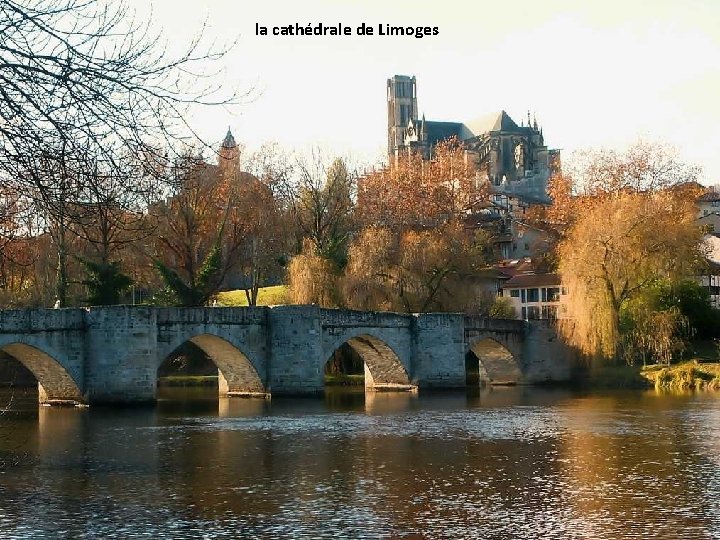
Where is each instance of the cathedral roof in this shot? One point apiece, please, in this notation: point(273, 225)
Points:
point(229, 140)
point(497, 121)
point(439, 131)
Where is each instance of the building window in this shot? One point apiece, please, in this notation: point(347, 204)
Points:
point(549, 312)
point(514, 293)
point(551, 294)
point(524, 313)
point(716, 203)
point(533, 295)
point(522, 296)
point(533, 312)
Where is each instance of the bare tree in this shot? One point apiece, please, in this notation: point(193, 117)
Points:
point(84, 85)
point(322, 204)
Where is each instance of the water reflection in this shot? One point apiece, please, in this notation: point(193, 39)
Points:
point(490, 463)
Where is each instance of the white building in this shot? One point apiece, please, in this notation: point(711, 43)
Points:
point(535, 296)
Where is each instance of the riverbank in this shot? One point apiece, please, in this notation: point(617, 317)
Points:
point(684, 376)
point(188, 380)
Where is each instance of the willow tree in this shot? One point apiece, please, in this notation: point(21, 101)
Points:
point(416, 270)
point(615, 249)
point(312, 278)
point(320, 201)
point(625, 221)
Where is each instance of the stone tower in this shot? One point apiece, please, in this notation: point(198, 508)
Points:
point(229, 156)
point(402, 108)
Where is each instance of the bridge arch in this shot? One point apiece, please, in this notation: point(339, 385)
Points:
point(237, 374)
point(384, 368)
point(495, 363)
point(55, 383)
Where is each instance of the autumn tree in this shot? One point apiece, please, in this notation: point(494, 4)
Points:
point(414, 252)
point(413, 192)
point(199, 236)
point(614, 250)
point(415, 271)
point(312, 278)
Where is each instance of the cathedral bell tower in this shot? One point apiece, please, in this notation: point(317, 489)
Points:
point(402, 108)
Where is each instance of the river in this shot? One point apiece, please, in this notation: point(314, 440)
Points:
point(499, 463)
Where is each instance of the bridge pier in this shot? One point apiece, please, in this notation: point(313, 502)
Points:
point(295, 334)
point(439, 350)
point(121, 348)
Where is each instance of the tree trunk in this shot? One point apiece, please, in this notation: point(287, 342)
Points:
point(61, 284)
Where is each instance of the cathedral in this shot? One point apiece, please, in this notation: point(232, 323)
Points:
point(514, 158)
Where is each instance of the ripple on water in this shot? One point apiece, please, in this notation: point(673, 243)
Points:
point(598, 467)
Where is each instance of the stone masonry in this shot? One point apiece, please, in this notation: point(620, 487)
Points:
point(112, 354)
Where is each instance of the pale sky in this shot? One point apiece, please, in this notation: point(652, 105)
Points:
point(596, 73)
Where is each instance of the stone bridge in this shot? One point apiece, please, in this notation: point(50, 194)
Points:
point(112, 354)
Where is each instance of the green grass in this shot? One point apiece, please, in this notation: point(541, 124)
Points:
point(188, 380)
point(345, 380)
point(267, 296)
point(685, 376)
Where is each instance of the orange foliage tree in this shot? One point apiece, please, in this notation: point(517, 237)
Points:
point(416, 270)
point(625, 222)
point(413, 192)
point(199, 236)
point(414, 252)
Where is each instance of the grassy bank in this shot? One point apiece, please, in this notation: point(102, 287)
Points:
point(684, 376)
point(267, 296)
